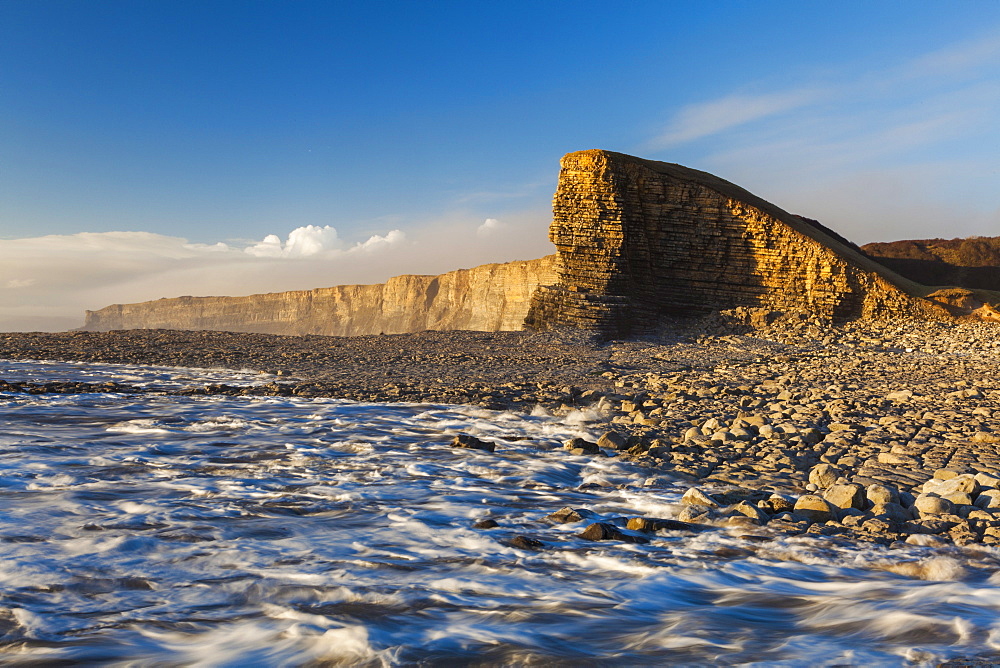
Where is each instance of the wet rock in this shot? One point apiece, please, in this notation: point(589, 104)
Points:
point(696, 497)
point(485, 524)
point(880, 526)
point(526, 543)
point(735, 495)
point(606, 531)
point(780, 503)
point(579, 446)
point(568, 515)
point(612, 440)
point(695, 514)
point(742, 521)
point(747, 509)
point(470, 442)
point(656, 524)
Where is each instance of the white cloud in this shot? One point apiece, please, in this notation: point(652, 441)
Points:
point(490, 227)
point(302, 242)
point(51, 280)
point(315, 241)
point(378, 242)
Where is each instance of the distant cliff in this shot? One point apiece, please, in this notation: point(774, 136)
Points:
point(491, 297)
point(970, 263)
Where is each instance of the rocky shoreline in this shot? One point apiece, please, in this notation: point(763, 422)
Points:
point(783, 424)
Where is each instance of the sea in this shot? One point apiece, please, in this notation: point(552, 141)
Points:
point(158, 529)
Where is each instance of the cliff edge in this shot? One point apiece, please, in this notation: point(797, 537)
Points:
point(491, 297)
point(639, 239)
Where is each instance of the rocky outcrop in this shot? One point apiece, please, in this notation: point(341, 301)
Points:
point(639, 239)
point(491, 297)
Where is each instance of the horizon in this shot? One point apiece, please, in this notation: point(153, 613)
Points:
point(231, 148)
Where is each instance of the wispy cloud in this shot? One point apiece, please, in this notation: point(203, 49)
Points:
point(931, 119)
point(958, 58)
point(708, 118)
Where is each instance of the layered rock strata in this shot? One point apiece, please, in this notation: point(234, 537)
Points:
point(491, 297)
point(639, 239)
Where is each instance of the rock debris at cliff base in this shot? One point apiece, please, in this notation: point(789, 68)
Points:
point(882, 431)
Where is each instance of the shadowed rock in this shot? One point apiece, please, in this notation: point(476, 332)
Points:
point(472, 443)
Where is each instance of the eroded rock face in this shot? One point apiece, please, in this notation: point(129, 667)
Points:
point(638, 239)
point(491, 297)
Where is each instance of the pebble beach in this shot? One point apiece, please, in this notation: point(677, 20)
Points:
point(868, 431)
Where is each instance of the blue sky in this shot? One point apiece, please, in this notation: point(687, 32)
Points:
point(153, 149)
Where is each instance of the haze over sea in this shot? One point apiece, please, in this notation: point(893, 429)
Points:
point(233, 531)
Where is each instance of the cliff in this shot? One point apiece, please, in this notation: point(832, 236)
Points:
point(490, 297)
point(970, 263)
point(639, 239)
point(636, 240)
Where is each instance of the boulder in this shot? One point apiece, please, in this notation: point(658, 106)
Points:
point(567, 515)
point(814, 508)
point(579, 446)
point(989, 498)
point(606, 531)
point(824, 475)
point(933, 505)
point(747, 509)
point(696, 497)
point(526, 543)
point(892, 512)
point(846, 496)
point(612, 440)
point(877, 494)
point(656, 524)
point(965, 483)
point(695, 513)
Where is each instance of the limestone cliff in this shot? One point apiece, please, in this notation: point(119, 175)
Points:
point(637, 239)
point(491, 297)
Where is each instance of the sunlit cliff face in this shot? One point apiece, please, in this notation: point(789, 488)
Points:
point(638, 238)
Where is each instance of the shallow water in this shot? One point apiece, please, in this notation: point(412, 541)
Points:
point(260, 531)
